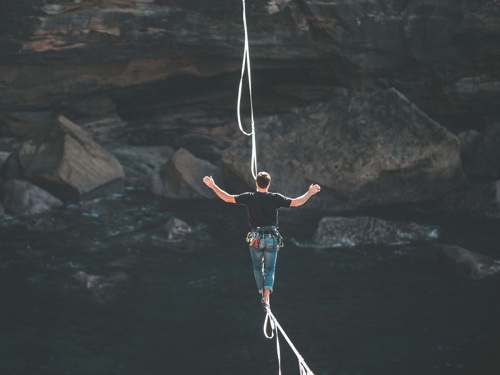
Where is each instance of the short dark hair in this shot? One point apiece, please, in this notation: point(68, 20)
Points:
point(263, 179)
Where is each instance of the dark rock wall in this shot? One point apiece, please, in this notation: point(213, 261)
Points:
point(443, 55)
point(165, 73)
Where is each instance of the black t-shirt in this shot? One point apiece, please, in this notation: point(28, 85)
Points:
point(263, 207)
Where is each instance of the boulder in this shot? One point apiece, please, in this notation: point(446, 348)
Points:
point(177, 229)
point(471, 264)
point(142, 165)
point(364, 149)
point(68, 163)
point(103, 288)
point(25, 198)
point(98, 117)
point(204, 146)
point(362, 230)
point(182, 176)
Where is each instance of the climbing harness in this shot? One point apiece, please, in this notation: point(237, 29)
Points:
point(275, 328)
point(246, 66)
point(255, 234)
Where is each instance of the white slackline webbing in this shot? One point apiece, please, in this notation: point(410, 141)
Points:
point(275, 327)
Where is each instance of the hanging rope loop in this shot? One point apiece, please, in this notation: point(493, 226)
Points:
point(270, 322)
point(245, 66)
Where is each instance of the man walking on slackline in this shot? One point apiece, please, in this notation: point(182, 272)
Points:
point(264, 238)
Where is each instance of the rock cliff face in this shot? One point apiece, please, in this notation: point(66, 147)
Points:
point(373, 148)
point(368, 98)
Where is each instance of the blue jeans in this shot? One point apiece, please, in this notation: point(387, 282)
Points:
point(264, 257)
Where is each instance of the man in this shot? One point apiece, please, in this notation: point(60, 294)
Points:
point(264, 239)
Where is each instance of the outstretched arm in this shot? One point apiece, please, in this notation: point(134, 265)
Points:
point(313, 189)
point(209, 181)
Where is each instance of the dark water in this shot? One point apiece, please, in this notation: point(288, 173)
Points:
point(159, 306)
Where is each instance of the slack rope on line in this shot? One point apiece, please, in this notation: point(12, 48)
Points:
point(275, 328)
point(246, 65)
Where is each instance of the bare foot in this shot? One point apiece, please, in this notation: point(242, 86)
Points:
point(265, 296)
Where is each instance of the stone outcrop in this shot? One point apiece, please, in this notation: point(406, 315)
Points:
point(22, 197)
point(103, 289)
point(364, 149)
point(142, 165)
point(177, 229)
point(182, 176)
point(98, 117)
point(471, 264)
point(66, 161)
point(363, 230)
point(304, 50)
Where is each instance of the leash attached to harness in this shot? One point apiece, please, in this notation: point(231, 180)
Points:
point(275, 328)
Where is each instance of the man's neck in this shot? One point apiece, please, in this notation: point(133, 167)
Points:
point(260, 190)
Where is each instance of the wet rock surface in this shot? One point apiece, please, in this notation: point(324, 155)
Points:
point(359, 231)
point(471, 264)
point(177, 229)
point(142, 165)
point(22, 197)
point(103, 289)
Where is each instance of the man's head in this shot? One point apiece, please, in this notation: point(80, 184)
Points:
point(263, 180)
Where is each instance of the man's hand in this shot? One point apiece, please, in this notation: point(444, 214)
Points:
point(314, 189)
point(209, 181)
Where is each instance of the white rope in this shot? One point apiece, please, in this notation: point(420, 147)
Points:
point(275, 327)
point(246, 65)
